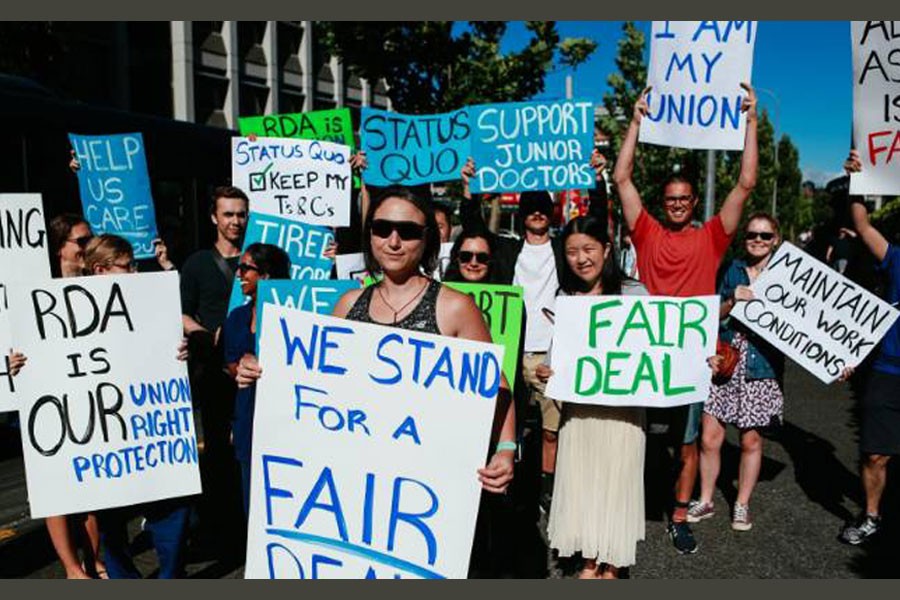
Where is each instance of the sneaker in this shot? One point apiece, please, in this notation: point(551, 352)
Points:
point(740, 519)
point(697, 511)
point(682, 537)
point(865, 527)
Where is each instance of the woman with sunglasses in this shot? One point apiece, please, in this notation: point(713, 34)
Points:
point(598, 494)
point(259, 261)
point(471, 257)
point(751, 399)
point(402, 244)
point(471, 261)
point(68, 236)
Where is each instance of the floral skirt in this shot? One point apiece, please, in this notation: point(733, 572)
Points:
point(746, 403)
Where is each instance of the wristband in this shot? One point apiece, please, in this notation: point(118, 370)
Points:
point(506, 446)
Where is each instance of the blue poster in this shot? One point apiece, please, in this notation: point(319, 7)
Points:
point(318, 297)
point(411, 150)
point(304, 244)
point(115, 188)
point(524, 146)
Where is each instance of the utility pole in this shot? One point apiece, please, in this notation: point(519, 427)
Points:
point(709, 204)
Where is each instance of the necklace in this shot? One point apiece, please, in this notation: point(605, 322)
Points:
point(397, 311)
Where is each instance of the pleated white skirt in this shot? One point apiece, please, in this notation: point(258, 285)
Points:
point(598, 494)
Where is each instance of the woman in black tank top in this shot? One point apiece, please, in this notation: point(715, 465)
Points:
point(401, 242)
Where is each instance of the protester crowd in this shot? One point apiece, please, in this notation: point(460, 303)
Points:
point(591, 457)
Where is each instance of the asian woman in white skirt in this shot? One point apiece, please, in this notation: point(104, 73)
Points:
point(598, 496)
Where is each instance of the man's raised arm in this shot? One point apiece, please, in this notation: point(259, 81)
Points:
point(871, 237)
point(628, 193)
point(734, 203)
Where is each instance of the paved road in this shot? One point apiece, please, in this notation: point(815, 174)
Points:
point(808, 488)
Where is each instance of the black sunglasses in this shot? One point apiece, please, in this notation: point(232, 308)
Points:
point(81, 241)
point(407, 230)
point(480, 257)
point(766, 236)
point(243, 267)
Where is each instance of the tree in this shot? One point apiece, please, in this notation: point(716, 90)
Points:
point(428, 69)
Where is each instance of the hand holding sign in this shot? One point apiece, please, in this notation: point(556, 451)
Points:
point(641, 107)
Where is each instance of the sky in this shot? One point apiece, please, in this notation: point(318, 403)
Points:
point(805, 64)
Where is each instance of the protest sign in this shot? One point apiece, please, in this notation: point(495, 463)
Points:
point(501, 306)
point(305, 246)
point(333, 125)
point(351, 266)
point(300, 180)
point(633, 350)
point(115, 188)
point(813, 314)
point(7, 381)
point(411, 150)
point(520, 146)
point(696, 68)
point(23, 253)
point(876, 106)
point(105, 404)
point(319, 297)
point(366, 469)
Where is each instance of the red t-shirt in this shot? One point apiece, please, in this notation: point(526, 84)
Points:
point(679, 263)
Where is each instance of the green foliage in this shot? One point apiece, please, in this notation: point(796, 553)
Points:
point(428, 69)
point(887, 219)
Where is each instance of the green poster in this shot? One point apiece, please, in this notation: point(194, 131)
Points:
point(334, 125)
point(501, 306)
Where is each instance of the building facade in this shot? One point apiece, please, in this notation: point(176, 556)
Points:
point(222, 70)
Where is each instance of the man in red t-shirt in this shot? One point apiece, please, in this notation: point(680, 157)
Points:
point(677, 259)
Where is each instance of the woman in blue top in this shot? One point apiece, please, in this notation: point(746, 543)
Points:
point(259, 261)
point(752, 398)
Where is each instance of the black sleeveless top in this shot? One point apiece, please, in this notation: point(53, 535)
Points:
point(422, 318)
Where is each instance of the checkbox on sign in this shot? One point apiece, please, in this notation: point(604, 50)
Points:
point(258, 180)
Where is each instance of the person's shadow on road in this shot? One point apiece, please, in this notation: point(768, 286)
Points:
point(819, 473)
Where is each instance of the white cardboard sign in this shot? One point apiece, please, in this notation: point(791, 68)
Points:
point(696, 68)
point(105, 404)
point(301, 180)
point(633, 350)
point(813, 314)
point(23, 253)
point(876, 106)
point(366, 444)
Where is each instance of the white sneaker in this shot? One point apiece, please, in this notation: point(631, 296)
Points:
point(740, 520)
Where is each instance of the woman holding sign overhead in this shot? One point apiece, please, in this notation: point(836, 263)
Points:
point(259, 261)
point(598, 494)
point(751, 399)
